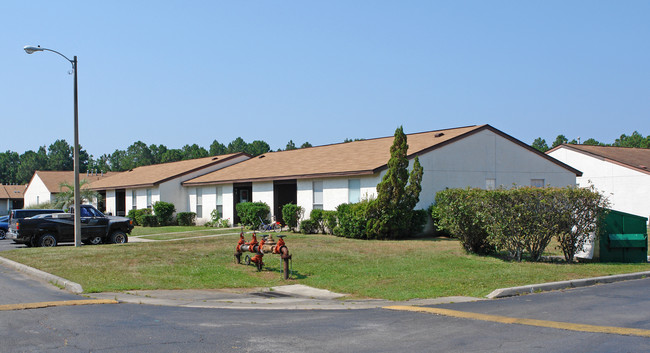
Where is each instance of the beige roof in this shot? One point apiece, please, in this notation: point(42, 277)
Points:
point(151, 175)
point(53, 179)
point(634, 158)
point(343, 159)
point(12, 191)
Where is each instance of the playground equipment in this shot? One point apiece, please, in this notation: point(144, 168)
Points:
point(266, 246)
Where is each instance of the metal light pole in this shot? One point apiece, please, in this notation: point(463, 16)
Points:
point(77, 199)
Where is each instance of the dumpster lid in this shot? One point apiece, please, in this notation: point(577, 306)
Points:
point(627, 237)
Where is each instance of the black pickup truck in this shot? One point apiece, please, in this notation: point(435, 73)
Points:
point(51, 229)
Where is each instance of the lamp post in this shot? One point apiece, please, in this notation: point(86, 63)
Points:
point(77, 199)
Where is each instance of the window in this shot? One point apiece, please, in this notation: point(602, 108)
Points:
point(199, 203)
point(134, 200)
point(318, 195)
point(354, 190)
point(537, 183)
point(490, 184)
point(149, 198)
point(220, 201)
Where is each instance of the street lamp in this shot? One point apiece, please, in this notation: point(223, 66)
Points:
point(29, 49)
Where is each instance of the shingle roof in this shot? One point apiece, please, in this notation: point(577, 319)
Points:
point(342, 159)
point(151, 175)
point(12, 191)
point(634, 158)
point(53, 179)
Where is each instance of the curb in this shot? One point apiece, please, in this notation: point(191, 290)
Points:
point(56, 280)
point(544, 287)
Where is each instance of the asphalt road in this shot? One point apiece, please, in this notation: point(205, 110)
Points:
point(147, 328)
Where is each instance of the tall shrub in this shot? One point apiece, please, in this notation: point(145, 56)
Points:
point(352, 220)
point(252, 213)
point(461, 212)
point(389, 215)
point(583, 212)
point(291, 214)
point(164, 212)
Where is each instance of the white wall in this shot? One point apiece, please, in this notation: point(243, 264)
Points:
point(335, 191)
point(37, 192)
point(110, 202)
point(209, 199)
point(472, 160)
point(628, 190)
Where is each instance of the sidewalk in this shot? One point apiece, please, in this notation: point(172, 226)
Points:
point(290, 297)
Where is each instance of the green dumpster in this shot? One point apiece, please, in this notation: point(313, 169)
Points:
point(624, 238)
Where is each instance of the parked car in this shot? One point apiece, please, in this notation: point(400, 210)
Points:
point(4, 226)
point(49, 230)
point(18, 214)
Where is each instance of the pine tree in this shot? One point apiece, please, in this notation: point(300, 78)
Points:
point(390, 214)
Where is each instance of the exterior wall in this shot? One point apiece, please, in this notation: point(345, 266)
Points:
point(263, 192)
point(485, 155)
point(5, 206)
point(626, 188)
point(140, 197)
point(335, 191)
point(111, 205)
point(37, 192)
point(209, 199)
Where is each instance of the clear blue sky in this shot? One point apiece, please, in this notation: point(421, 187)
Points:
point(184, 72)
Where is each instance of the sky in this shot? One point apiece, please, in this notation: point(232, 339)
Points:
point(191, 72)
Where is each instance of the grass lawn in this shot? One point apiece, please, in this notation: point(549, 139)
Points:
point(397, 270)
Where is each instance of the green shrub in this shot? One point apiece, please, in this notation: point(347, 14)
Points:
point(308, 226)
point(149, 220)
point(352, 220)
point(164, 212)
point(461, 213)
point(186, 218)
point(291, 214)
point(316, 216)
point(329, 219)
point(136, 215)
point(419, 219)
point(250, 213)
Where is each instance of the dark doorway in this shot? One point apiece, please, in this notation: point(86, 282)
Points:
point(120, 202)
point(284, 192)
point(241, 192)
point(101, 203)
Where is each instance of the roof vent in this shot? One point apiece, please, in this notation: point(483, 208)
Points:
point(215, 158)
point(262, 156)
point(439, 134)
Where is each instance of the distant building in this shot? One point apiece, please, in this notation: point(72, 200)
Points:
point(621, 173)
point(141, 187)
point(11, 197)
point(44, 185)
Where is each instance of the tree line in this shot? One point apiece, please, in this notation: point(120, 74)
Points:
point(635, 140)
point(18, 168)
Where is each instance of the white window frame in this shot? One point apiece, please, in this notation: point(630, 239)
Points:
point(134, 199)
point(354, 190)
point(317, 193)
point(537, 183)
point(199, 202)
point(219, 201)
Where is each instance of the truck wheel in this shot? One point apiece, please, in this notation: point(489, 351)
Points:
point(93, 241)
point(47, 240)
point(2, 234)
point(119, 237)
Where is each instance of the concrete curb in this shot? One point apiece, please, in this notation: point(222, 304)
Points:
point(62, 282)
point(544, 287)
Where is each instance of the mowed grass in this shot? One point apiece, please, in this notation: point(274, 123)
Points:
point(396, 270)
